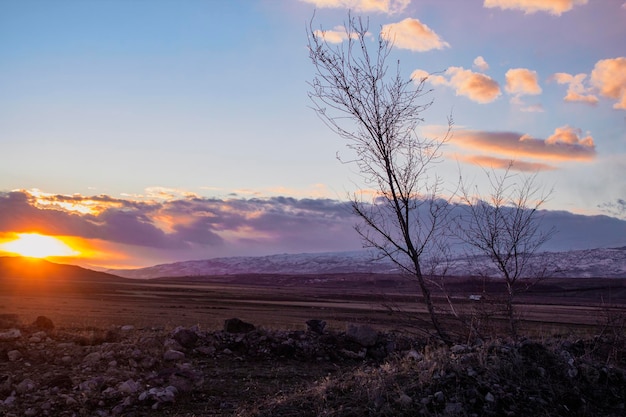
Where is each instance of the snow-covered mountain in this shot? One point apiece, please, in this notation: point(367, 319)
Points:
point(575, 264)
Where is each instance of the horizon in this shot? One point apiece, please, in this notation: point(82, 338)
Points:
point(184, 131)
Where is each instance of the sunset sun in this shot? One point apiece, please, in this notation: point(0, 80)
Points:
point(35, 245)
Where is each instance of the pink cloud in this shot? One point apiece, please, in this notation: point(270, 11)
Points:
point(413, 35)
point(555, 7)
point(522, 81)
point(609, 77)
point(565, 144)
point(576, 90)
point(503, 163)
point(365, 6)
point(475, 86)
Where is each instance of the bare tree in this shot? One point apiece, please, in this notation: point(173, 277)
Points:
point(505, 226)
point(377, 111)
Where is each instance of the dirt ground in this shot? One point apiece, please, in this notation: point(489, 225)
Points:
point(288, 301)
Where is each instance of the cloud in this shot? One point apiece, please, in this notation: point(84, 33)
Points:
point(475, 86)
point(609, 77)
point(570, 136)
point(187, 223)
point(413, 35)
point(363, 6)
point(565, 144)
point(555, 7)
point(576, 90)
point(480, 64)
point(503, 163)
point(336, 35)
point(521, 82)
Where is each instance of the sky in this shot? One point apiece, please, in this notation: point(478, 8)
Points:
point(142, 132)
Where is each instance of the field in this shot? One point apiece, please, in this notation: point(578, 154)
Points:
point(288, 301)
point(282, 369)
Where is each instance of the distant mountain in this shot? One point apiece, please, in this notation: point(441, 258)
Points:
point(575, 264)
point(23, 268)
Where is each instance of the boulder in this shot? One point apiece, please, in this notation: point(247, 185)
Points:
point(43, 323)
point(316, 326)
point(364, 335)
point(236, 325)
point(185, 337)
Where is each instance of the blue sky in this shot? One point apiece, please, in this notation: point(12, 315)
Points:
point(114, 104)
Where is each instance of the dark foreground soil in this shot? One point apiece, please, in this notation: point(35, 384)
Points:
point(161, 348)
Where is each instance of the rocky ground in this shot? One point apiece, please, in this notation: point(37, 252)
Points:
point(242, 370)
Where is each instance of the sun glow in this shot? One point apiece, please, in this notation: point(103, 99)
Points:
point(34, 245)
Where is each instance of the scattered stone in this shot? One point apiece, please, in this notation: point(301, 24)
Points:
point(43, 323)
point(457, 349)
point(92, 358)
point(14, 355)
point(489, 397)
point(453, 409)
point(127, 328)
point(364, 335)
point(236, 325)
point(405, 400)
point(414, 355)
point(10, 334)
point(173, 355)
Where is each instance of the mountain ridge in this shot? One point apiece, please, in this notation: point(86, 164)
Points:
point(601, 263)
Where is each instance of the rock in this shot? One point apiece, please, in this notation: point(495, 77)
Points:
point(489, 397)
point(127, 328)
point(173, 355)
point(316, 326)
point(453, 409)
point(457, 349)
point(10, 334)
point(405, 400)
point(92, 358)
point(185, 337)
point(364, 335)
point(43, 323)
point(414, 355)
point(236, 325)
point(439, 396)
point(14, 355)
point(129, 386)
point(25, 386)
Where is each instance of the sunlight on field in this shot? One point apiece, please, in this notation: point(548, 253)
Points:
point(35, 245)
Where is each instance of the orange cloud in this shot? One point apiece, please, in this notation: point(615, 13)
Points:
point(365, 6)
point(503, 163)
point(555, 7)
point(570, 136)
point(566, 144)
point(609, 77)
point(475, 86)
point(576, 91)
point(413, 35)
point(522, 81)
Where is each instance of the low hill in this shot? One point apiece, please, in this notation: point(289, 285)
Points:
point(14, 268)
